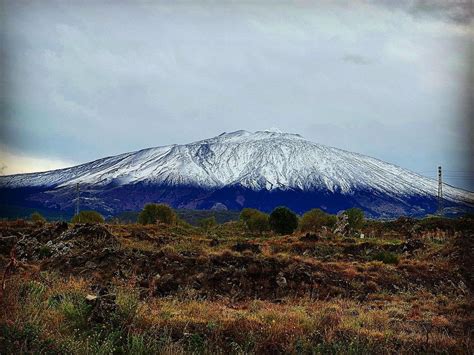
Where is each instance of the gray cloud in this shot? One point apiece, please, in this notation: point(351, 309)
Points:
point(455, 11)
point(356, 59)
point(82, 85)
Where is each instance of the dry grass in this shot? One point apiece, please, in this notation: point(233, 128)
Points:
point(336, 298)
point(56, 309)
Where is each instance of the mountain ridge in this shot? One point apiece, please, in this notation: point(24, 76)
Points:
point(261, 161)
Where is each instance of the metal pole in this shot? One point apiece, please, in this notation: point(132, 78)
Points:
point(440, 191)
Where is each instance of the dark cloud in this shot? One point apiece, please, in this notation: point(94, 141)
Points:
point(455, 11)
point(356, 59)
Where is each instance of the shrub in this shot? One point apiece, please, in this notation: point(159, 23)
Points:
point(314, 219)
point(255, 220)
point(355, 218)
point(45, 251)
point(283, 220)
point(247, 213)
point(37, 217)
point(258, 223)
point(153, 213)
point(127, 300)
point(88, 217)
point(386, 257)
point(208, 223)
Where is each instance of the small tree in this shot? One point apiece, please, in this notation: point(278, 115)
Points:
point(88, 217)
point(207, 223)
point(355, 218)
point(37, 217)
point(156, 213)
point(283, 220)
point(247, 213)
point(258, 223)
point(314, 219)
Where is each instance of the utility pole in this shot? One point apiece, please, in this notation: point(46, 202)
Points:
point(440, 192)
point(77, 199)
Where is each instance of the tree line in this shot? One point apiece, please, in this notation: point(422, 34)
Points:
point(281, 220)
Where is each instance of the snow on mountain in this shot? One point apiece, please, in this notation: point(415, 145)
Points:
point(264, 160)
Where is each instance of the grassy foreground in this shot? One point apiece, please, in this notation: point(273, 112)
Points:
point(405, 287)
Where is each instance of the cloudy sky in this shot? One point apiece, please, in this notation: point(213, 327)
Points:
point(85, 79)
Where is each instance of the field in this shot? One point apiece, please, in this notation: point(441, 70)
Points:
point(399, 287)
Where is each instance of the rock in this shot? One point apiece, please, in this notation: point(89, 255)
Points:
point(310, 237)
point(59, 249)
point(104, 308)
point(28, 249)
point(90, 233)
point(90, 265)
point(60, 227)
point(240, 247)
point(219, 207)
point(91, 298)
point(342, 224)
point(412, 244)
point(281, 280)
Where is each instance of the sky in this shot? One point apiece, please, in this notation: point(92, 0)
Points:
point(80, 80)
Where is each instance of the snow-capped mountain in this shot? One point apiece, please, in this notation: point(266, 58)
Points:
point(240, 169)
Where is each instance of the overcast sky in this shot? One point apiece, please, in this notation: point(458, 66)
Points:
point(81, 80)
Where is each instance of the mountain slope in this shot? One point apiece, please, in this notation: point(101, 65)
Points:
point(233, 168)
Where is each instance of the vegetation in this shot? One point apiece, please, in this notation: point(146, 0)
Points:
point(255, 221)
point(406, 287)
point(207, 223)
point(355, 218)
point(247, 213)
point(192, 217)
point(88, 217)
point(387, 257)
point(258, 223)
point(37, 218)
point(156, 213)
point(314, 219)
point(283, 220)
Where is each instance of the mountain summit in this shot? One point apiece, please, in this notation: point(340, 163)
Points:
point(238, 169)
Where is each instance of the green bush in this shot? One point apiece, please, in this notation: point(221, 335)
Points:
point(156, 213)
point(387, 257)
point(45, 251)
point(314, 219)
point(75, 313)
point(127, 301)
point(355, 218)
point(37, 217)
point(283, 220)
point(247, 213)
point(207, 223)
point(88, 217)
point(258, 223)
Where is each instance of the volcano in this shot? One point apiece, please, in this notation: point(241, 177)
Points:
point(262, 169)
